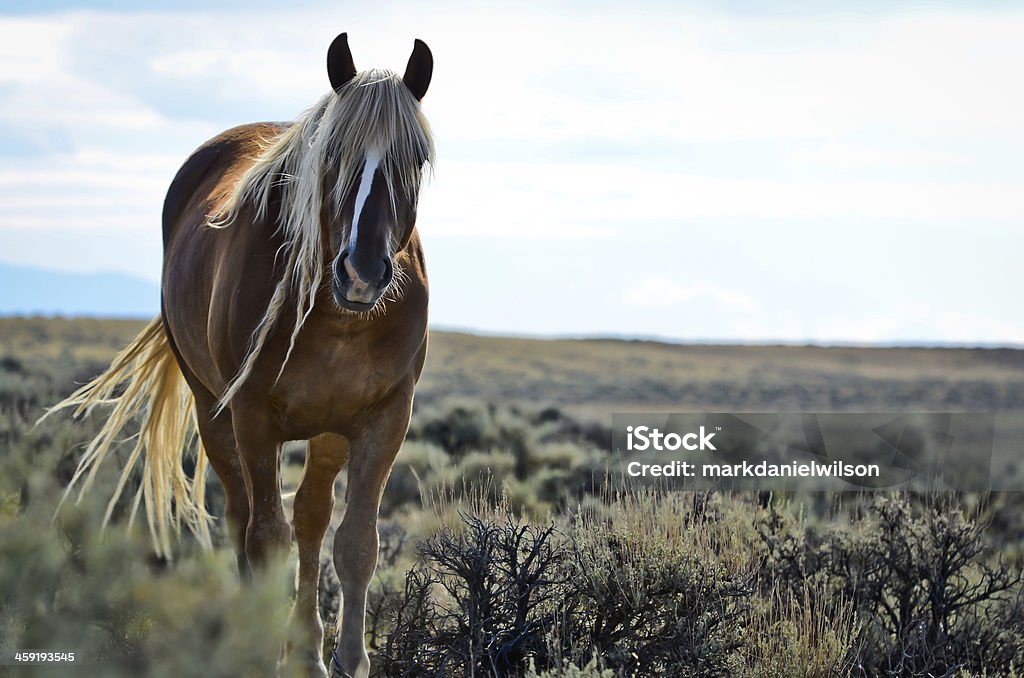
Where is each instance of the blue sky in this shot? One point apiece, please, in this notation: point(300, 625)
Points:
point(732, 171)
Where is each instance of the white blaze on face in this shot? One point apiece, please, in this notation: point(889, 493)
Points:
point(365, 184)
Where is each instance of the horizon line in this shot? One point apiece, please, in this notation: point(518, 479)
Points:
point(617, 337)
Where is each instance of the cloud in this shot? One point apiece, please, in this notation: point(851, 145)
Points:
point(664, 293)
point(88, 190)
point(913, 324)
point(604, 130)
point(666, 75)
point(512, 198)
point(31, 49)
point(41, 90)
point(836, 154)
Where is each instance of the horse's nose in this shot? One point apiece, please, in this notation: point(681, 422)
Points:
point(367, 271)
point(360, 278)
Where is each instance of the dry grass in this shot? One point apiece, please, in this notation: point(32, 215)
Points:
point(791, 640)
point(516, 457)
point(609, 373)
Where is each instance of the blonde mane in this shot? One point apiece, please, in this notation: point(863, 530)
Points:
point(373, 111)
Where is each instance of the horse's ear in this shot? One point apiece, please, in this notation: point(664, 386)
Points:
point(340, 67)
point(418, 71)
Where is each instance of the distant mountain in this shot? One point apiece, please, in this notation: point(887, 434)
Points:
point(26, 290)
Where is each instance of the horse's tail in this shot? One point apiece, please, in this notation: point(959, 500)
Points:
point(145, 382)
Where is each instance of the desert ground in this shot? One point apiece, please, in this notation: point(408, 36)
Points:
point(506, 550)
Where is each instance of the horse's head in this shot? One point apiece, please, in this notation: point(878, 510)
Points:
point(380, 147)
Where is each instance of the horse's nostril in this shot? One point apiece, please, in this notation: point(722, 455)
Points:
point(340, 269)
point(365, 269)
point(389, 271)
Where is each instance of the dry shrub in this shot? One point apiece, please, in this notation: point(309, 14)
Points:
point(929, 598)
point(639, 590)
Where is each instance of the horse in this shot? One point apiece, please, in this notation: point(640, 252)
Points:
point(293, 307)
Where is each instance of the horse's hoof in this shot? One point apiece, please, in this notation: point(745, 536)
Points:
point(313, 668)
point(338, 672)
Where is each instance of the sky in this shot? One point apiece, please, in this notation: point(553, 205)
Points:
point(740, 171)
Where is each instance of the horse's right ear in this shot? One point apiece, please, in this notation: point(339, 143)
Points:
point(340, 67)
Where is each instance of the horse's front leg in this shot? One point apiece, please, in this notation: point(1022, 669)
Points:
point(268, 534)
point(356, 542)
point(314, 502)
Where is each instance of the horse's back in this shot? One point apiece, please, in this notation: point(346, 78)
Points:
point(204, 267)
point(230, 152)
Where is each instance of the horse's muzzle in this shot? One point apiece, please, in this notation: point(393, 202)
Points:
point(353, 291)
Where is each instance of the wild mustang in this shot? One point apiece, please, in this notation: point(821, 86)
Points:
point(294, 307)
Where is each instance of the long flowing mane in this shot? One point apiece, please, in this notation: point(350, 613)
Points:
point(319, 158)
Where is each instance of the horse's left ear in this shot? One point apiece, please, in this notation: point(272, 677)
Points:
point(340, 67)
point(418, 71)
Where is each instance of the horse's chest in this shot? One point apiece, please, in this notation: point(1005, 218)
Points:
point(331, 390)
